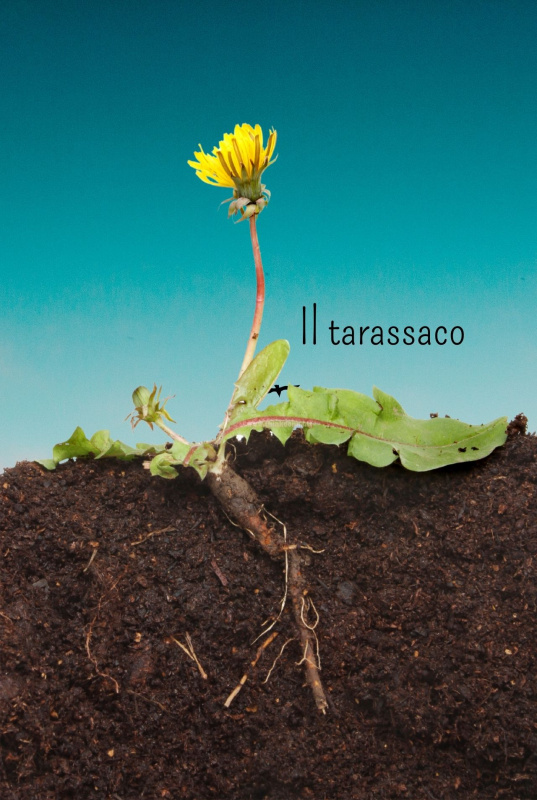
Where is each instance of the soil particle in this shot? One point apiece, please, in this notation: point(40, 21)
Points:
point(425, 587)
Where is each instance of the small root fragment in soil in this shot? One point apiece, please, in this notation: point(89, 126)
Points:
point(102, 602)
point(167, 529)
point(93, 660)
point(240, 502)
point(148, 700)
point(190, 652)
point(218, 572)
point(5, 616)
point(90, 562)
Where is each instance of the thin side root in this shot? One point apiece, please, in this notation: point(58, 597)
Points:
point(253, 663)
point(284, 645)
point(93, 660)
point(283, 601)
point(102, 602)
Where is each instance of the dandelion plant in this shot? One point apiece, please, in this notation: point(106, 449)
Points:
point(375, 430)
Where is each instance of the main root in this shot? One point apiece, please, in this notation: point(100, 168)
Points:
point(241, 504)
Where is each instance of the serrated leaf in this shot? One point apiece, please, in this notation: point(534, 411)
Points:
point(374, 452)
point(421, 445)
point(379, 429)
point(261, 374)
point(316, 404)
point(282, 432)
point(99, 446)
point(431, 443)
point(356, 410)
point(322, 434)
point(77, 445)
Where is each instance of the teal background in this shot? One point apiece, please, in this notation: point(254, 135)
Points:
point(404, 194)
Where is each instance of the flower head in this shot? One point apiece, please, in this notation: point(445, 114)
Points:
point(238, 162)
point(148, 407)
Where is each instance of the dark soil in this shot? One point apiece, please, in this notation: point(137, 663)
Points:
point(427, 599)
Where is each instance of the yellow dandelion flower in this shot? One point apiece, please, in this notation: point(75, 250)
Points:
point(238, 162)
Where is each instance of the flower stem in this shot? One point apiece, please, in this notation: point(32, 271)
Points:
point(171, 434)
point(254, 333)
point(259, 299)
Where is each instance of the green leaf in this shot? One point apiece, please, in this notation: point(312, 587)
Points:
point(119, 450)
point(260, 375)
point(100, 441)
point(315, 406)
point(197, 456)
point(142, 448)
point(247, 413)
point(99, 446)
point(282, 432)
point(354, 409)
point(48, 463)
point(201, 458)
point(179, 451)
point(161, 465)
point(379, 430)
point(428, 444)
point(77, 445)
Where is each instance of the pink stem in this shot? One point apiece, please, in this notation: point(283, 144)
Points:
point(259, 300)
point(256, 324)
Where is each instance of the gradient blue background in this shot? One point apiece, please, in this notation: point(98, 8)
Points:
point(405, 192)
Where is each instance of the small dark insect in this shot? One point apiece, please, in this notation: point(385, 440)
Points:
point(279, 389)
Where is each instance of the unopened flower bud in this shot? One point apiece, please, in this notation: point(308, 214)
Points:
point(147, 407)
point(140, 396)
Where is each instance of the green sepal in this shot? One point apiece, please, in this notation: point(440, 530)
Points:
point(148, 407)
